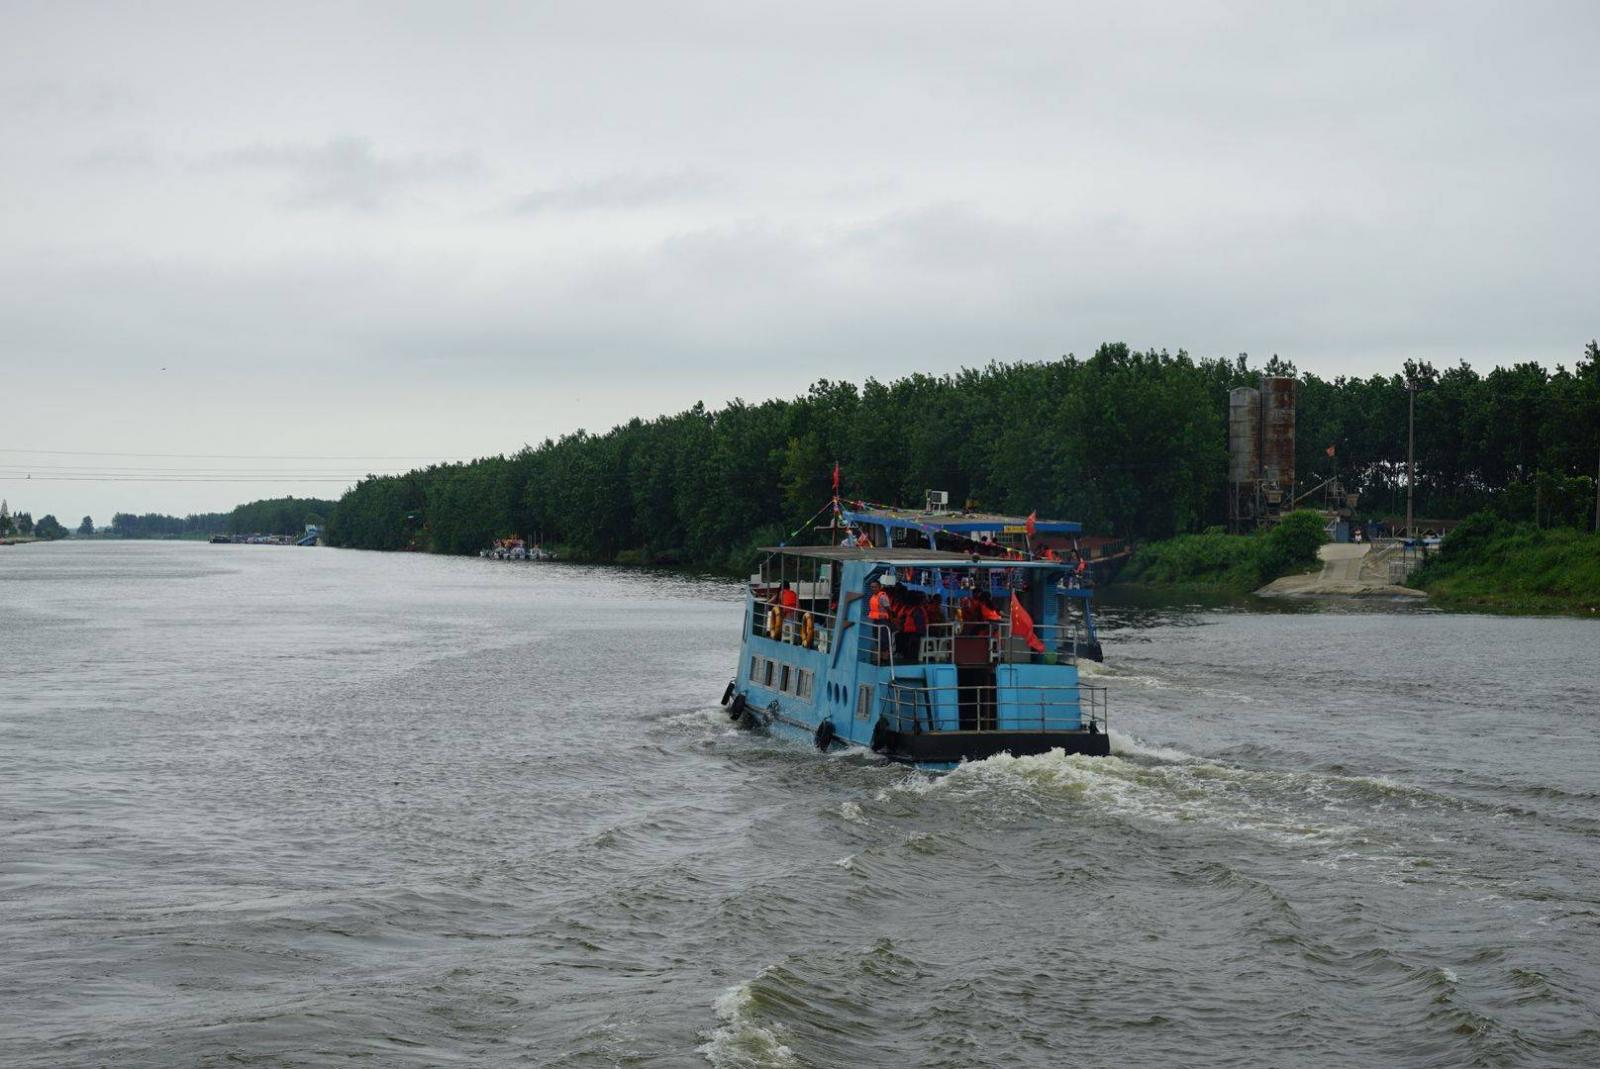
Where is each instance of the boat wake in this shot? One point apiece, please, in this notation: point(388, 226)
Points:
point(740, 1041)
point(1343, 817)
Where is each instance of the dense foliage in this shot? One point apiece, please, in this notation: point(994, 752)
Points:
point(49, 528)
point(155, 525)
point(279, 515)
point(282, 515)
point(1519, 438)
point(1129, 443)
point(1493, 562)
point(1235, 563)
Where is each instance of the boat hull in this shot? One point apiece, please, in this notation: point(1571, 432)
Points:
point(952, 747)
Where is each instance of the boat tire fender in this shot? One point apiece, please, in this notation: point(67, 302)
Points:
point(737, 707)
point(727, 695)
point(824, 736)
point(880, 735)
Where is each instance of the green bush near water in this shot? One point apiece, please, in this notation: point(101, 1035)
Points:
point(1489, 562)
point(1227, 563)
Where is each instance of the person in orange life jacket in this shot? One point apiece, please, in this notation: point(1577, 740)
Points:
point(880, 615)
point(977, 613)
point(913, 620)
point(788, 601)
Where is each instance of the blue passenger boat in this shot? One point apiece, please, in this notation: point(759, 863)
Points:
point(959, 648)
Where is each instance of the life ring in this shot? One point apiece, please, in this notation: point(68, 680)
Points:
point(880, 735)
point(824, 736)
point(808, 630)
point(737, 707)
point(727, 695)
point(774, 622)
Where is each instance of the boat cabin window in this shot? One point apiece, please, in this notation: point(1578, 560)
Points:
point(805, 685)
point(783, 678)
point(864, 701)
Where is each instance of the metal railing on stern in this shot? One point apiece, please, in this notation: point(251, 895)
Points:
point(915, 708)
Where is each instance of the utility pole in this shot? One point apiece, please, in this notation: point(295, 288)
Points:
point(1411, 453)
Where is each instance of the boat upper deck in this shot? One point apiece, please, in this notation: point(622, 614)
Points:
point(906, 557)
point(955, 522)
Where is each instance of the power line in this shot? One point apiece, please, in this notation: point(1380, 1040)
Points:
point(224, 456)
point(147, 469)
point(19, 477)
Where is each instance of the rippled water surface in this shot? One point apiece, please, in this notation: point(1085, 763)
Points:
point(282, 807)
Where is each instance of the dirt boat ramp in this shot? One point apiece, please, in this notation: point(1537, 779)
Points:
point(1348, 570)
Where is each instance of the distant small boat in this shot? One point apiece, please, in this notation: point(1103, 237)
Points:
point(221, 540)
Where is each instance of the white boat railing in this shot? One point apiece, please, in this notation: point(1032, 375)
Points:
point(911, 707)
point(943, 643)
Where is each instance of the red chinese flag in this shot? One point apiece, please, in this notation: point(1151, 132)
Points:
point(1033, 522)
point(1022, 625)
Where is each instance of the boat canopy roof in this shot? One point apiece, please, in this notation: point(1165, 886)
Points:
point(906, 557)
point(960, 522)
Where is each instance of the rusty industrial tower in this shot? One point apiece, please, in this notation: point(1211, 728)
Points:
point(1260, 453)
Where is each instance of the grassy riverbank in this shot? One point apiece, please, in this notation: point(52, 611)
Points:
point(1214, 562)
point(1489, 563)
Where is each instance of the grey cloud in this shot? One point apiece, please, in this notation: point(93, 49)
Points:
point(621, 191)
point(726, 204)
point(70, 100)
point(347, 172)
point(119, 159)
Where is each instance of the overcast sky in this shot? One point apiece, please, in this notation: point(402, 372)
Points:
point(404, 231)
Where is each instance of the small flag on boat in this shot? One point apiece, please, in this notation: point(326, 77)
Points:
point(1033, 522)
point(1022, 625)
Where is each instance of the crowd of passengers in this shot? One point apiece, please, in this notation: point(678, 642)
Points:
point(908, 615)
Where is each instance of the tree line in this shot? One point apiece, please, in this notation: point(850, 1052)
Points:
point(47, 527)
point(1130, 443)
point(281, 515)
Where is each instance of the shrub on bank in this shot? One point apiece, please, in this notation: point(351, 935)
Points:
point(1491, 562)
point(1235, 563)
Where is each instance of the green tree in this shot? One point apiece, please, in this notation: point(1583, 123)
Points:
point(49, 528)
point(25, 523)
point(1130, 443)
point(86, 527)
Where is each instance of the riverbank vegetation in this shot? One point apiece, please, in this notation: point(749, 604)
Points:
point(1215, 562)
point(280, 515)
point(156, 525)
point(1490, 562)
point(1130, 443)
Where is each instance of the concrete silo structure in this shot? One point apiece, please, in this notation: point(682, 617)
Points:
point(1277, 446)
point(1260, 452)
point(1244, 457)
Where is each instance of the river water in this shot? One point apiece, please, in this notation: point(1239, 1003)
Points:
point(270, 806)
